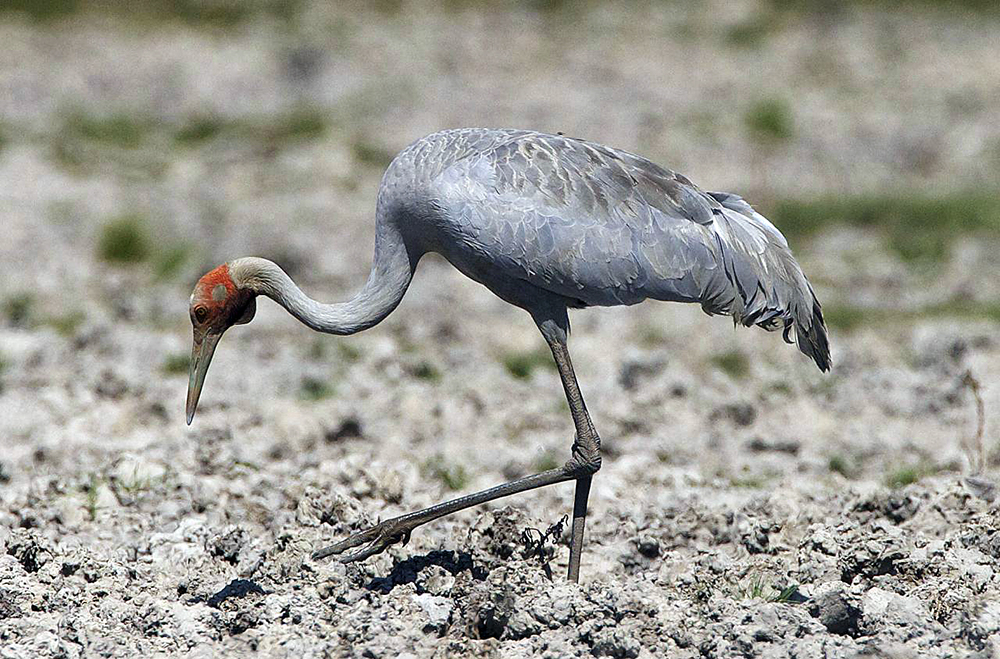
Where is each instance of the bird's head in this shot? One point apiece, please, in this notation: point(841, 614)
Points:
point(217, 303)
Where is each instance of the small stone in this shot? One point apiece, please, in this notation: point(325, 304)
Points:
point(648, 546)
point(438, 610)
point(741, 414)
point(835, 611)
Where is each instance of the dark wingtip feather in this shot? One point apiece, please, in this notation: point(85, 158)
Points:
point(813, 340)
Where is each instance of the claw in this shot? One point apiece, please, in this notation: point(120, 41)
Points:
point(379, 538)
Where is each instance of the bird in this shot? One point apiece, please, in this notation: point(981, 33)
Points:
point(548, 223)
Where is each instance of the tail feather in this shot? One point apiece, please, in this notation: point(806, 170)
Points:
point(768, 287)
point(811, 336)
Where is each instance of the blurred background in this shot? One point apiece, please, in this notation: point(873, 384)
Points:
point(143, 143)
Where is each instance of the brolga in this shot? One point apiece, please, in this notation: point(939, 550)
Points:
point(548, 223)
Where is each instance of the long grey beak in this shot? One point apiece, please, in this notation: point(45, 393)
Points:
point(201, 356)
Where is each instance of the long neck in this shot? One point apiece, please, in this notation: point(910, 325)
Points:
point(392, 270)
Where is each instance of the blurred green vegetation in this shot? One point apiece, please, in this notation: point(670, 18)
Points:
point(733, 363)
point(372, 155)
point(452, 475)
point(348, 352)
point(910, 474)
point(66, 323)
point(839, 464)
point(18, 309)
point(521, 364)
point(170, 260)
point(199, 129)
point(770, 120)
point(917, 226)
point(91, 493)
point(124, 240)
point(201, 13)
point(426, 371)
point(298, 124)
point(851, 317)
point(313, 389)
point(547, 460)
point(226, 14)
point(176, 363)
point(124, 131)
point(134, 142)
point(826, 7)
point(750, 33)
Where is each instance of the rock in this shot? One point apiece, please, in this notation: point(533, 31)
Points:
point(437, 609)
point(741, 414)
point(349, 428)
point(228, 544)
point(648, 546)
point(29, 550)
point(633, 370)
point(882, 608)
point(615, 642)
point(833, 606)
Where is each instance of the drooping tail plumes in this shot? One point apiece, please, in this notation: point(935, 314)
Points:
point(768, 287)
point(811, 336)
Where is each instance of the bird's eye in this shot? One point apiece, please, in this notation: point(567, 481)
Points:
point(200, 314)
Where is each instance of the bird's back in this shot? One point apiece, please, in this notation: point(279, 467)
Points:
point(600, 226)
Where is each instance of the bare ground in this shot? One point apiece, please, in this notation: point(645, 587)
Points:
point(748, 505)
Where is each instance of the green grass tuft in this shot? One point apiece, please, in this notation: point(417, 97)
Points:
point(908, 475)
point(67, 323)
point(751, 33)
point(749, 482)
point(426, 371)
point(844, 317)
point(733, 363)
point(547, 460)
point(522, 364)
point(117, 130)
point(314, 389)
point(848, 318)
point(41, 10)
point(18, 309)
point(92, 493)
point(348, 352)
point(124, 240)
point(770, 120)
point(452, 476)
point(169, 261)
point(198, 130)
point(301, 124)
point(757, 588)
point(838, 464)
point(177, 363)
point(204, 12)
point(372, 155)
point(213, 14)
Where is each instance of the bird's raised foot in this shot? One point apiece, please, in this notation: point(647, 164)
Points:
point(378, 538)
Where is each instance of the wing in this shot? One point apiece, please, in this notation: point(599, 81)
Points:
point(602, 227)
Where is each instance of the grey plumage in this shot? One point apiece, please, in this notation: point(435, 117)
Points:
point(549, 219)
point(547, 223)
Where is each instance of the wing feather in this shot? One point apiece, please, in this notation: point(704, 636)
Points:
point(606, 227)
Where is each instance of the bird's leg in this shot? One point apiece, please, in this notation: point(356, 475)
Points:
point(379, 537)
point(586, 458)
